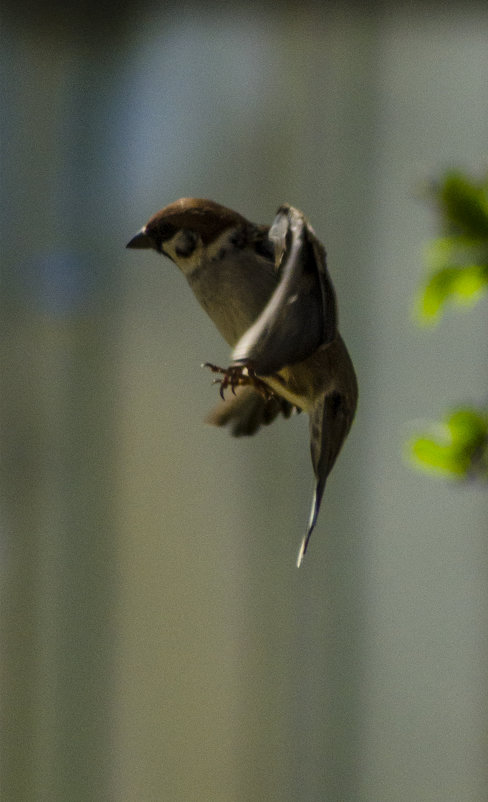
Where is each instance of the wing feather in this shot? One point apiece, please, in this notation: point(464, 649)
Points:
point(301, 314)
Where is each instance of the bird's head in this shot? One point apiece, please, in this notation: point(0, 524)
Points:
point(192, 230)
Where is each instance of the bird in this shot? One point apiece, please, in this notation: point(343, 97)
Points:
point(268, 291)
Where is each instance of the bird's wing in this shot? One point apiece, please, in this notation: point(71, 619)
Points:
point(246, 410)
point(301, 314)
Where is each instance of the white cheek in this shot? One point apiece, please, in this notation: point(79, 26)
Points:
point(214, 250)
point(186, 263)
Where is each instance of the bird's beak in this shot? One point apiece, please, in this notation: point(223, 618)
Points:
point(141, 240)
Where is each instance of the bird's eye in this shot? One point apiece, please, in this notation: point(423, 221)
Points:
point(186, 243)
point(166, 231)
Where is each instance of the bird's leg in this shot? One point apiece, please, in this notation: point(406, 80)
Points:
point(238, 376)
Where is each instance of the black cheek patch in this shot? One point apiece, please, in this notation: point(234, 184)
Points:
point(238, 239)
point(186, 244)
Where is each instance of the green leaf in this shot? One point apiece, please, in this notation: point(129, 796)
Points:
point(464, 204)
point(458, 446)
point(468, 428)
point(455, 251)
point(429, 454)
point(460, 285)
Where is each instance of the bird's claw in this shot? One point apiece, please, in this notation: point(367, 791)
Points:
point(238, 376)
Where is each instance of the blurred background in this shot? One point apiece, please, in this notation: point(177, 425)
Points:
point(158, 642)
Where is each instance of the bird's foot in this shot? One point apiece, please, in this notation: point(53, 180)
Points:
point(238, 376)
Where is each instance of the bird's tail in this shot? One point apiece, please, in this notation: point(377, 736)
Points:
point(314, 511)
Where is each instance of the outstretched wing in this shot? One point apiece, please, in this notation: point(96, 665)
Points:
point(301, 314)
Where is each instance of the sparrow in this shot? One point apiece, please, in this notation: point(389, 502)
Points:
point(268, 291)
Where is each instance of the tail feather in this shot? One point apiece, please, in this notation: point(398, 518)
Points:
point(314, 512)
point(245, 411)
point(330, 421)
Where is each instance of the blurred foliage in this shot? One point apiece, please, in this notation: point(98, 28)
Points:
point(457, 273)
point(457, 446)
point(458, 261)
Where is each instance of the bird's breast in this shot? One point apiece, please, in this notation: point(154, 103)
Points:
point(233, 292)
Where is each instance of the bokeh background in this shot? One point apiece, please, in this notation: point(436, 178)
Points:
point(158, 642)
